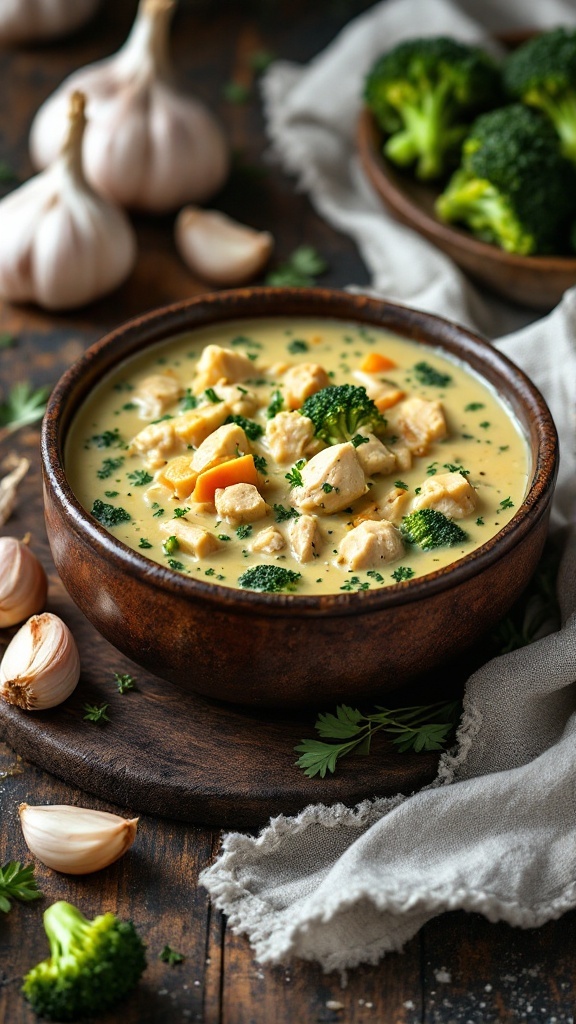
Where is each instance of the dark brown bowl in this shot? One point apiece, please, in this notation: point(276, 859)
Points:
point(283, 650)
point(535, 281)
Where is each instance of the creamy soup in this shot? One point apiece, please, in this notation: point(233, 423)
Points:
point(235, 447)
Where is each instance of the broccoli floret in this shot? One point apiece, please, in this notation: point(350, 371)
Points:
point(424, 93)
point(430, 529)
point(92, 964)
point(339, 411)
point(514, 188)
point(271, 579)
point(542, 73)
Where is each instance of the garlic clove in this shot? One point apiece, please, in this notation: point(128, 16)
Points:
point(219, 249)
point(148, 145)
point(41, 665)
point(76, 840)
point(61, 245)
point(23, 583)
point(26, 21)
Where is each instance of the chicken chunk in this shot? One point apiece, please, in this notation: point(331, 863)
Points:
point(220, 446)
point(449, 493)
point(155, 394)
point(303, 380)
point(305, 538)
point(194, 426)
point(192, 540)
point(240, 401)
point(268, 541)
point(240, 503)
point(156, 443)
point(217, 364)
point(420, 423)
point(289, 436)
point(331, 480)
point(384, 393)
point(370, 545)
point(394, 505)
point(373, 456)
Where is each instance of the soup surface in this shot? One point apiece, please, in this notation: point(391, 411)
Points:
point(210, 454)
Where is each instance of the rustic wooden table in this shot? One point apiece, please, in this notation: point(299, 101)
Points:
point(460, 968)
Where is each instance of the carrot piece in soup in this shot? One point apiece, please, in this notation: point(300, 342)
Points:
point(235, 471)
point(374, 362)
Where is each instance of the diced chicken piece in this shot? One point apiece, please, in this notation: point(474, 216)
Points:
point(220, 446)
point(331, 480)
point(373, 456)
point(194, 426)
point(402, 454)
point(367, 510)
point(421, 422)
point(449, 493)
point(303, 380)
point(192, 540)
point(156, 443)
point(240, 503)
point(370, 545)
point(394, 505)
point(217, 364)
point(268, 541)
point(156, 394)
point(157, 494)
point(277, 369)
point(240, 401)
point(384, 393)
point(179, 476)
point(289, 436)
point(305, 538)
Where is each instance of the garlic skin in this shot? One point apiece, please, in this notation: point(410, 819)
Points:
point(219, 249)
point(41, 665)
point(61, 245)
point(25, 21)
point(23, 583)
point(148, 145)
point(75, 840)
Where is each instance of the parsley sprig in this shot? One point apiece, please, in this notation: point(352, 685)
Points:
point(22, 406)
point(17, 883)
point(427, 727)
point(299, 270)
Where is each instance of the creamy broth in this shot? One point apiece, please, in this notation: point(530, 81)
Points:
point(484, 448)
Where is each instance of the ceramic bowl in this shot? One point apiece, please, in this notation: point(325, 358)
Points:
point(535, 281)
point(283, 650)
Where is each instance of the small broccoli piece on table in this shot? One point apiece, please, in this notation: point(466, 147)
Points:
point(542, 73)
point(92, 964)
point(339, 411)
point(269, 579)
point(424, 93)
point(514, 188)
point(431, 529)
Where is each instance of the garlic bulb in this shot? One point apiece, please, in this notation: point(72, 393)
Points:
point(41, 665)
point(23, 583)
point(75, 840)
point(148, 145)
point(219, 249)
point(61, 245)
point(25, 21)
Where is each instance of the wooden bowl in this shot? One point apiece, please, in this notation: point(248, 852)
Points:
point(274, 649)
point(535, 281)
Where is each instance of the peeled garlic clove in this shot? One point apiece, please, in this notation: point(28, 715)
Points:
point(23, 583)
point(41, 665)
point(219, 249)
point(148, 145)
point(61, 245)
point(75, 840)
point(25, 21)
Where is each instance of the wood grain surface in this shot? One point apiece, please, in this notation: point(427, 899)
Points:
point(460, 968)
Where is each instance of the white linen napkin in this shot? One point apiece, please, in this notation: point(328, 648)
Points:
point(496, 832)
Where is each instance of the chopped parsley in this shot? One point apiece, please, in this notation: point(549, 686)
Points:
point(327, 488)
point(506, 503)
point(144, 544)
point(124, 682)
point(276, 405)
point(96, 713)
point(109, 515)
point(179, 512)
point(294, 477)
point(252, 429)
point(188, 402)
point(111, 494)
point(297, 345)
point(401, 485)
point(403, 572)
point(159, 512)
point(244, 531)
point(485, 425)
point(260, 463)
point(354, 583)
point(428, 375)
point(377, 576)
point(212, 396)
point(283, 513)
point(108, 439)
point(359, 439)
point(480, 521)
point(474, 406)
point(299, 270)
point(176, 565)
point(242, 339)
point(140, 477)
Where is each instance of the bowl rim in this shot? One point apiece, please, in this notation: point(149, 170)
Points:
point(206, 309)
point(419, 218)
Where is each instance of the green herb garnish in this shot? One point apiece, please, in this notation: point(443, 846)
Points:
point(244, 531)
point(403, 572)
point(170, 956)
point(276, 405)
point(144, 543)
point(260, 463)
point(294, 476)
point(125, 682)
point(96, 713)
point(426, 374)
point(110, 466)
point(22, 406)
point(297, 345)
point(140, 478)
point(252, 429)
point(17, 883)
point(269, 579)
point(299, 270)
point(109, 515)
point(283, 513)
